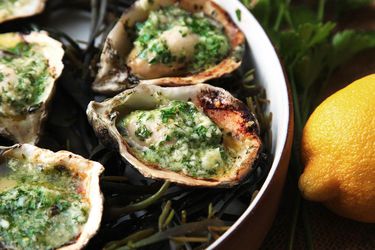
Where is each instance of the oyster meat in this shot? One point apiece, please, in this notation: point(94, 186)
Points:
point(48, 200)
point(169, 42)
point(13, 9)
point(29, 67)
point(196, 135)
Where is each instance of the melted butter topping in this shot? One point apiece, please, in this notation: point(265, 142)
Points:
point(40, 207)
point(23, 75)
point(177, 137)
point(173, 42)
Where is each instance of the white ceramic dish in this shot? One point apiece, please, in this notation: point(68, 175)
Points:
point(251, 228)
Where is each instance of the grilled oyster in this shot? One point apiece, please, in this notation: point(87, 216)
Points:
point(48, 200)
point(195, 135)
point(13, 9)
point(169, 42)
point(29, 67)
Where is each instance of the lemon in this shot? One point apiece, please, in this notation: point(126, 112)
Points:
point(338, 150)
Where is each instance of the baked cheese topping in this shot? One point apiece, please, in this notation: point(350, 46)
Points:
point(173, 41)
point(178, 137)
point(41, 208)
point(23, 75)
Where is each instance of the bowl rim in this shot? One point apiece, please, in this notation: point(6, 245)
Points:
point(232, 7)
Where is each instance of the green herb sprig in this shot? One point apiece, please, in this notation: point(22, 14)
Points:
point(311, 48)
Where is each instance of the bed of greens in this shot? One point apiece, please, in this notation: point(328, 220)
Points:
point(140, 212)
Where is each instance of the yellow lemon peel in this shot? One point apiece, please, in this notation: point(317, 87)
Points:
point(338, 150)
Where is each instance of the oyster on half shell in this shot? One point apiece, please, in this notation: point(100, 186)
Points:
point(169, 42)
point(49, 200)
point(13, 9)
point(29, 67)
point(196, 135)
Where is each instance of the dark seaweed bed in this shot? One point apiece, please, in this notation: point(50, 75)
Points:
point(143, 213)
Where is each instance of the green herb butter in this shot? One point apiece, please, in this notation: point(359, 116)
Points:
point(39, 209)
point(176, 136)
point(173, 36)
point(23, 74)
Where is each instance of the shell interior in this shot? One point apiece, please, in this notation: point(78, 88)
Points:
point(24, 126)
point(114, 75)
point(239, 127)
point(86, 171)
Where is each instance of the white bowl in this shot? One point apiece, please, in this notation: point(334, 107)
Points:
point(250, 229)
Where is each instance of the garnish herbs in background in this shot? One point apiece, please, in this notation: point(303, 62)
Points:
point(311, 48)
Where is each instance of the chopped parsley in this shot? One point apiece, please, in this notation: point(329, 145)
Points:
point(40, 209)
point(24, 72)
point(179, 107)
point(238, 14)
point(211, 47)
point(143, 133)
point(176, 136)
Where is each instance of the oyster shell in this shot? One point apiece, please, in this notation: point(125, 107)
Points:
point(10, 10)
point(29, 67)
point(115, 75)
point(238, 130)
point(44, 162)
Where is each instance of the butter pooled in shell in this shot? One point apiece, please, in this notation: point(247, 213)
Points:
point(30, 64)
point(169, 43)
point(39, 188)
point(196, 135)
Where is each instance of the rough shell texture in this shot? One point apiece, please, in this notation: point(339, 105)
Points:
point(113, 75)
point(229, 114)
point(89, 172)
point(29, 8)
point(26, 128)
